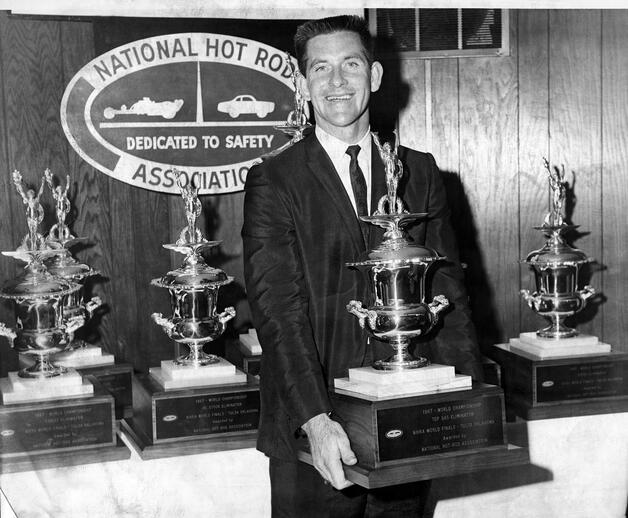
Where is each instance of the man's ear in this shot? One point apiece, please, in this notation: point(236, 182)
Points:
point(377, 71)
point(302, 86)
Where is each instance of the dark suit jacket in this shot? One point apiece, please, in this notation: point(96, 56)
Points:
point(299, 232)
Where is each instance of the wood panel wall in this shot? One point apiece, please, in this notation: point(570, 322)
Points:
point(488, 121)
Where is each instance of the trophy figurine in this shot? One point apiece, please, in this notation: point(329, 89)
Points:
point(396, 273)
point(42, 326)
point(556, 267)
point(193, 289)
point(63, 265)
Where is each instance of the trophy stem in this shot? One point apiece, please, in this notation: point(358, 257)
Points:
point(42, 368)
point(196, 358)
point(401, 360)
point(556, 329)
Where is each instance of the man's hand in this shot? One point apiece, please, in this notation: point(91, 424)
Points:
point(329, 446)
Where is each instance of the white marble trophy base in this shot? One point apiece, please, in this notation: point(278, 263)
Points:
point(531, 346)
point(172, 376)
point(368, 382)
point(249, 344)
point(27, 390)
point(88, 356)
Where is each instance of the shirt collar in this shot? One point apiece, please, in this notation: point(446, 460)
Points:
point(336, 148)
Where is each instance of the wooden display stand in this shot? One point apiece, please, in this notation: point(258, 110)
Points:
point(59, 432)
point(398, 440)
point(192, 420)
point(563, 387)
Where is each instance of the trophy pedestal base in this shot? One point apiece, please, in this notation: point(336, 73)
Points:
point(562, 387)
point(117, 380)
point(172, 376)
point(427, 436)
point(249, 344)
point(67, 428)
point(88, 356)
point(242, 358)
point(17, 390)
point(369, 383)
point(168, 423)
point(535, 348)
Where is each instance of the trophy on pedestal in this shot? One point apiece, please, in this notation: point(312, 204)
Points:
point(46, 407)
point(407, 419)
point(549, 371)
point(197, 395)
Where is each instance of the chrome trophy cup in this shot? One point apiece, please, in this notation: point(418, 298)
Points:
point(396, 272)
point(42, 326)
point(556, 267)
point(193, 289)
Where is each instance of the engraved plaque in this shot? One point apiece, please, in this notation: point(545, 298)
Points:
point(439, 427)
point(27, 428)
point(198, 415)
point(581, 380)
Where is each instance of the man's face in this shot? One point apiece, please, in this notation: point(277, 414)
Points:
point(339, 82)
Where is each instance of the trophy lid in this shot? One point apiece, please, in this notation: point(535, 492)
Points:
point(556, 252)
point(35, 281)
point(65, 266)
point(194, 273)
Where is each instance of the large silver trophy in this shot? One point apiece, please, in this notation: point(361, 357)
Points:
point(193, 289)
point(556, 267)
point(63, 265)
point(396, 272)
point(43, 328)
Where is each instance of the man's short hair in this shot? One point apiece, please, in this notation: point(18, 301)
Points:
point(309, 30)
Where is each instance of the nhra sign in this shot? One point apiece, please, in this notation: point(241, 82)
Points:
point(205, 104)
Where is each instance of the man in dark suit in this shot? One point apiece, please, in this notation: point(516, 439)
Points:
point(300, 229)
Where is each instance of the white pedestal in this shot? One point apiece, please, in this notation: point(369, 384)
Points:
point(173, 376)
point(249, 344)
point(88, 356)
point(372, 383)
point(26, 390)
point(535, 348)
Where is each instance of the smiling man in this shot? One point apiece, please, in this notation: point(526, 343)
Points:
point(301, 227)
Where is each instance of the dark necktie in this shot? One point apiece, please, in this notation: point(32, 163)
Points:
point(358, 184)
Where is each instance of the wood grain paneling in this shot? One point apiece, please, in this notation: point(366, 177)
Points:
point(561, 94)
point(488, 171)
point(533, 77)
point(575, 129)
point(614, 175)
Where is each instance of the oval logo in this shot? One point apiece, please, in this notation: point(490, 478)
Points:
point(168, 418)
point(548, 384)
point(7, 433)
point(393, 434)
point(205, 104)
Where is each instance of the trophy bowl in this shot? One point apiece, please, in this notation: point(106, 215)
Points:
point(556, 268)
point(194, 295)
point(42, 327)
point(397, 274)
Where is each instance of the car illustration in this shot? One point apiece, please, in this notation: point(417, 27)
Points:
point(146, 106)
point(244, 104)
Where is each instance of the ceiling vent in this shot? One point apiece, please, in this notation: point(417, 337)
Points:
point(445, 33)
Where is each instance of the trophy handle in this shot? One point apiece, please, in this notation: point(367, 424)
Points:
point(586, 292)
point(439, 303)
point(8, 332)
point(355, 308)
point(92, 305)
point(72, 324)
point(531, 299)
point(165, 323)
point(226, 315)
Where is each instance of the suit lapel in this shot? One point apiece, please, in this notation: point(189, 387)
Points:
point(323, 170)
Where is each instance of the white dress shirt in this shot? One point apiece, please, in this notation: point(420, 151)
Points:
point(337, 151)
